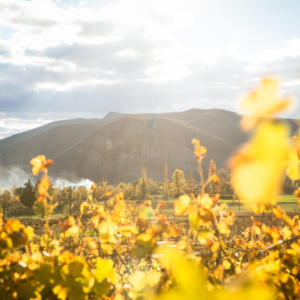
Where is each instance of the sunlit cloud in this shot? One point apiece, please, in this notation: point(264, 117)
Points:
point(133, 56)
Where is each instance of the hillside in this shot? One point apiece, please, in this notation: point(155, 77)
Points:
point(119, 150)
point(33, 132)
point(118, 145)
point(49, 143)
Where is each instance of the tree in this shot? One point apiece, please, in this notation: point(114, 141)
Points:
point(178, 183)
point(82, 193)
point(128, 191)
point(18, 191)
point(42, 210)
point(134, 187)
point(28, 197)
point(224, 181)
point(166, 177)
point(190, 182)
point(143, 188)
point(75, 209)
point(287, 185)
point(5, 199)
point(144, 182)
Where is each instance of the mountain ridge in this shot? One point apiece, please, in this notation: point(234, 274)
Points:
point(117, 146)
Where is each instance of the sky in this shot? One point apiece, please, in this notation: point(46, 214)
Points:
point(82, 59)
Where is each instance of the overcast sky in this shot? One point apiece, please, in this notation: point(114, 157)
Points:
point(68, 59)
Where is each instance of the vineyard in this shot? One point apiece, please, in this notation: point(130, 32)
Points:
point(199, 249)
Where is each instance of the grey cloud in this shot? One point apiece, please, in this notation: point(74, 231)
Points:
point(105, 56)
point(209, 85)
point(4, 51)
point(93, 29)
point(20, 17)
point(25, 20)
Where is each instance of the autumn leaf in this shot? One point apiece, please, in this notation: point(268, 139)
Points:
point(119, 197)
point(93, 187)
point(70, 222)
point(257, 167)
point(263, 102)
point(199, 150)
point(107, 231)
point(182, 205)
point(40, 164)
point(84, 208)
point(293, 160)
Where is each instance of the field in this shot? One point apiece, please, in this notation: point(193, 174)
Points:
point(287, 202)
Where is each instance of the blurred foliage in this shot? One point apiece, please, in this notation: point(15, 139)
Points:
point(117, 250)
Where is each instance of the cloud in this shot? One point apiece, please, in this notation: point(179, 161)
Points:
point(60, 60)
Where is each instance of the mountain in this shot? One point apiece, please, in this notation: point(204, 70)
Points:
point(117, 146)
point(30, 133)
point(50, 142)
point(119, 150)
point(33, 132)
point(111, 115)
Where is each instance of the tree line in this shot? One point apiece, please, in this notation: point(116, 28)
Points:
point(140, 189)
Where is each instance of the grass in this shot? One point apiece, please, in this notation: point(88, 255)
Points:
point(289, 207)
point(280, 198)
point(293, 207)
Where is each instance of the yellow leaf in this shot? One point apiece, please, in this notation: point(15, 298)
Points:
point(223, 228)
point(206, 201)
point(185, 274)
point(293, 165)
point(138, 280)
point(226, 264)
point(181, 205)
point(215, 178)
point(153, 278)
point(262, 102)
point(199, 151)
point(61, 292)
point(204, 235)
point(105, 270)
point(258, 166)
point(84, 208)
point(107, 231)
point(40, 164)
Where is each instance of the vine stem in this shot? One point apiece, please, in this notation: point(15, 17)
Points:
point(201, 177)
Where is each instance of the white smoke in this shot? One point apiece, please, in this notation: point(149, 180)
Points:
point(64, 182)
point(14, 176)
point(18, 176)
